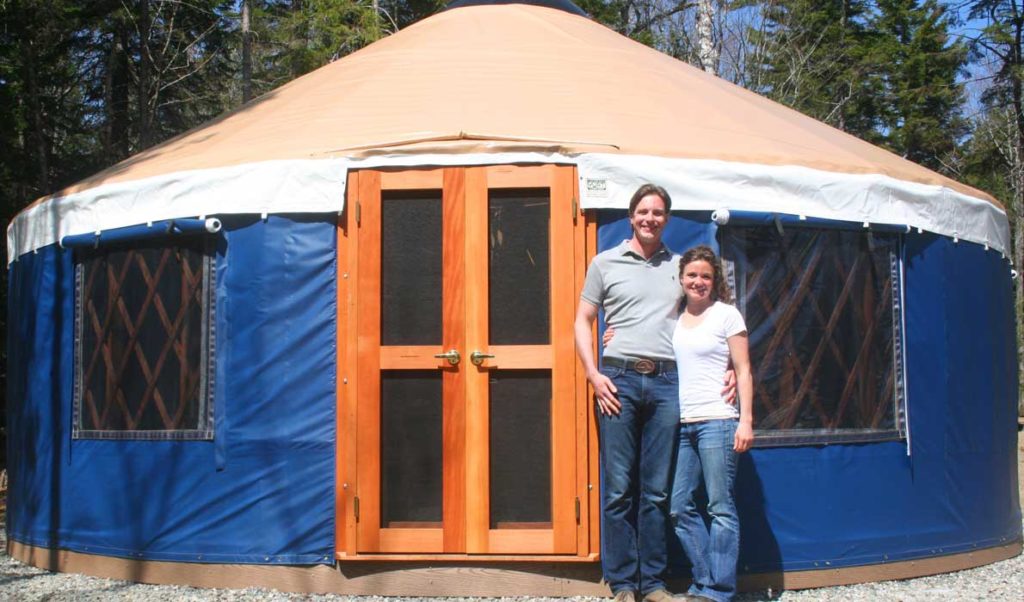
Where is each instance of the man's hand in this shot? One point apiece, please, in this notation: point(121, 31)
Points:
point(729, 390)
point(744, 438)
point(604, 391)
point(604, 388)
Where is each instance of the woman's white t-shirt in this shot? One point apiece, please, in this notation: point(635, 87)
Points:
point(702, 357)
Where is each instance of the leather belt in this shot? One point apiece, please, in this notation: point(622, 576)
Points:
point(647, 367)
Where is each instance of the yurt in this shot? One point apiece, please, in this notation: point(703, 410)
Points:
point(324, 342)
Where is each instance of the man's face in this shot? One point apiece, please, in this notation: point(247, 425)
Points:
point(648, 219)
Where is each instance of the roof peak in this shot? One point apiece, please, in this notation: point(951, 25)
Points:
point(563, 5)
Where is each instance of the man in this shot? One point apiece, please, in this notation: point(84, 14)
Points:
point(636, 392)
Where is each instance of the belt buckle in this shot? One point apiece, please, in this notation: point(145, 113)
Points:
point(644, 366)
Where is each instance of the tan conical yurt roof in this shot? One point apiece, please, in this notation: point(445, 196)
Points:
point(481, 80)
point(516, 73)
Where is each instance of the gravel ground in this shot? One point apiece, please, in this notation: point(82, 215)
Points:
point(1000, 581)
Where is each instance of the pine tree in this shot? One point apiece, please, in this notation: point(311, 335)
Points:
point(399, 14)
point(45, 111)
point(921, 117)
point(817, 58)
point(294, 37)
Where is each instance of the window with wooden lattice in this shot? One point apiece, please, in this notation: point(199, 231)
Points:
point(822, 309)
point(143, 323)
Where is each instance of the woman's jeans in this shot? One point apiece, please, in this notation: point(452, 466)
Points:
point(706, 452)
point(636, 466)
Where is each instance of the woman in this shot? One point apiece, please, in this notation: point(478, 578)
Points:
point(712, 432)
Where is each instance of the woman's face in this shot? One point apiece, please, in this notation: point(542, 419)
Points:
point(698, 281)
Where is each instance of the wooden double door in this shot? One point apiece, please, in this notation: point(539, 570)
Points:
point(463, 422)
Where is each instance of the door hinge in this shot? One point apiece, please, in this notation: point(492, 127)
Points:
point(577, 511)
point(575, 209)
point(355, 507)
point(359, 213)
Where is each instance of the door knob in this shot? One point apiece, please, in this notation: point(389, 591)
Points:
point(478, 358)
point(451, 355)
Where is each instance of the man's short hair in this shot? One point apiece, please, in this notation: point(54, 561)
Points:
point(647, 189)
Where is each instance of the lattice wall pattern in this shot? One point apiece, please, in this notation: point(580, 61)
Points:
point(819, 307)
point(140, 323)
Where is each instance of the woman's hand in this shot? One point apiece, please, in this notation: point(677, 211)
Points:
point(607, 338)
point(744, 438)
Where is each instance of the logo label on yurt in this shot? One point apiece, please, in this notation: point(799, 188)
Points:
point(597, 188)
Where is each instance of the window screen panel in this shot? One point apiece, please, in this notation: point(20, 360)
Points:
point(142, 353)
point(823, 321)
point(519, 277)
point(411, 309)
point(411, 448)
point(520, 449)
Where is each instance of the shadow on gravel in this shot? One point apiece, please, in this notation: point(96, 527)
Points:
point(86, 593)
point(9, 579)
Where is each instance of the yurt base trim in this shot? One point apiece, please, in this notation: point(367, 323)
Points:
point(903, 569)
point(441, 579)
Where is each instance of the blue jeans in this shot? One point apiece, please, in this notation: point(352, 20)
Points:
point(705, 453)
point(636, 465)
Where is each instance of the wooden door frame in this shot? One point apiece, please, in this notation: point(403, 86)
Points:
point(572, 258)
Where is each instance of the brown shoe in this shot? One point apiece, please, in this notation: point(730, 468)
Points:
point(625, 595)
point(661, 595)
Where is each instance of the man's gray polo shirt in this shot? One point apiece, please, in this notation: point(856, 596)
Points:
point(640, 299)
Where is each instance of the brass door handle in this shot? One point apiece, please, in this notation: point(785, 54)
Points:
point(451, 355)
point(478, 358)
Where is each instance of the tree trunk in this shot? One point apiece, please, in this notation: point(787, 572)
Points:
point(707, 47)
point(1017, 210)
point(1017, 91)
point(840, 112)
point(1019, 283)
point(246, 54)
point(37, 134)
point(117, 143)
point(145, 62)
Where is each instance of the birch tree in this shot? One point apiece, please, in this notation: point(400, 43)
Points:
point(706, 38)
point(246, 30)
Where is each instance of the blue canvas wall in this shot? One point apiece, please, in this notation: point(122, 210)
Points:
point(263, 490)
